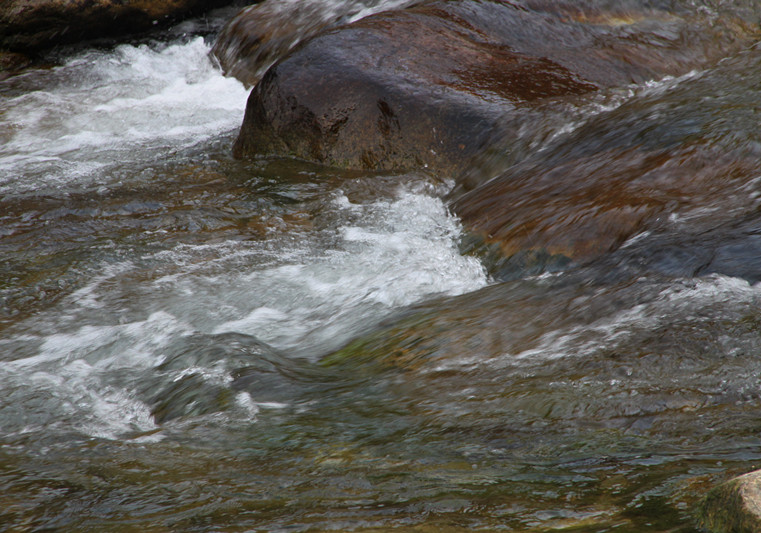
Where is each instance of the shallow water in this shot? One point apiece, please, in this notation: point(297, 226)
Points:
point(170, 317)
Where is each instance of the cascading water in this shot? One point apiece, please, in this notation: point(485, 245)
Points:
point(167, 313)
point(71, 127)
point(102, 125)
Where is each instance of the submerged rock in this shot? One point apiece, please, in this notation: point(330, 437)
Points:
point(734, 506)
point(260, 34)
point(263, 33)
point(669, 160)
point(28, 26)
point(508, 319)
point(433, 85)
point(582, 208)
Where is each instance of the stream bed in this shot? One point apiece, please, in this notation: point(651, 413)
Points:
point(194, 343)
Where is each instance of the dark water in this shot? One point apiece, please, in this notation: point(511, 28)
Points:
point(192, 343)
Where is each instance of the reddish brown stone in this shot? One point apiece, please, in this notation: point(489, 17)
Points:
point(580, 203)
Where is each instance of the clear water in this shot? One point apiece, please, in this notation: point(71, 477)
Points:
point(167, 311)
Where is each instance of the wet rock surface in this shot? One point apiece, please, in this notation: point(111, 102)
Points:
point(433, 85)
point(263, 33)
point(30, 26)
point(12, 63)
point(734, 506)
point(649, 166)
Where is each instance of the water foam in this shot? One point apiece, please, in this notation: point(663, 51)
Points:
point(392, 254)
point(101, 108)
point(77, 377)
point(305, 295)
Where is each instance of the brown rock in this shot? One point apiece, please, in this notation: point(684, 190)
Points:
point(32, 25)
point(12, 63)
point(734, 506)
point(581, 208)
point(626, 172)
point(432, 85)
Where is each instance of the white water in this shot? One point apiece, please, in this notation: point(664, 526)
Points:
point(100, 109)
point(394, 254)
point(96, 121)
point(303, 302)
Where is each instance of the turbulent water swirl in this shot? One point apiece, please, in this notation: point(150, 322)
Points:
point(190, 342)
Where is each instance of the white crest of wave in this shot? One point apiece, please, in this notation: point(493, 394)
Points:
point(71, 377)
point(100, 107)
point(394, 253)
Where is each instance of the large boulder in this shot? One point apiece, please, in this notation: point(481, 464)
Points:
point(432, 85)
point(32, 25)
point(734, 506)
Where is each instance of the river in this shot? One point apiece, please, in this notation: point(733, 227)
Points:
point(166, 310)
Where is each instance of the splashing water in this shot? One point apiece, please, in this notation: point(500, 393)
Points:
point(166, 313)
point(100, 108)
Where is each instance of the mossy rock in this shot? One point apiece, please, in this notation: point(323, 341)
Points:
point(734, 506)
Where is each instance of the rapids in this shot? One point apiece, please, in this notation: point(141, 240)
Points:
point(194, 343)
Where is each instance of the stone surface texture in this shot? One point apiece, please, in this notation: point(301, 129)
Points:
point(33, 25)
point(433, 85)
point(734, 506)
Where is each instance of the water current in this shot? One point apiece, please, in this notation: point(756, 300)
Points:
point(167, 312)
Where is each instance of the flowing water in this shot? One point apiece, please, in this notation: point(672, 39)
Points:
point(169, 315)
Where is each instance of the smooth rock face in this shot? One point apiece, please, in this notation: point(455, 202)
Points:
point(582, 207)
point(31, 25)
point(431, 86)
point(653, 165)
point(734, 506)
